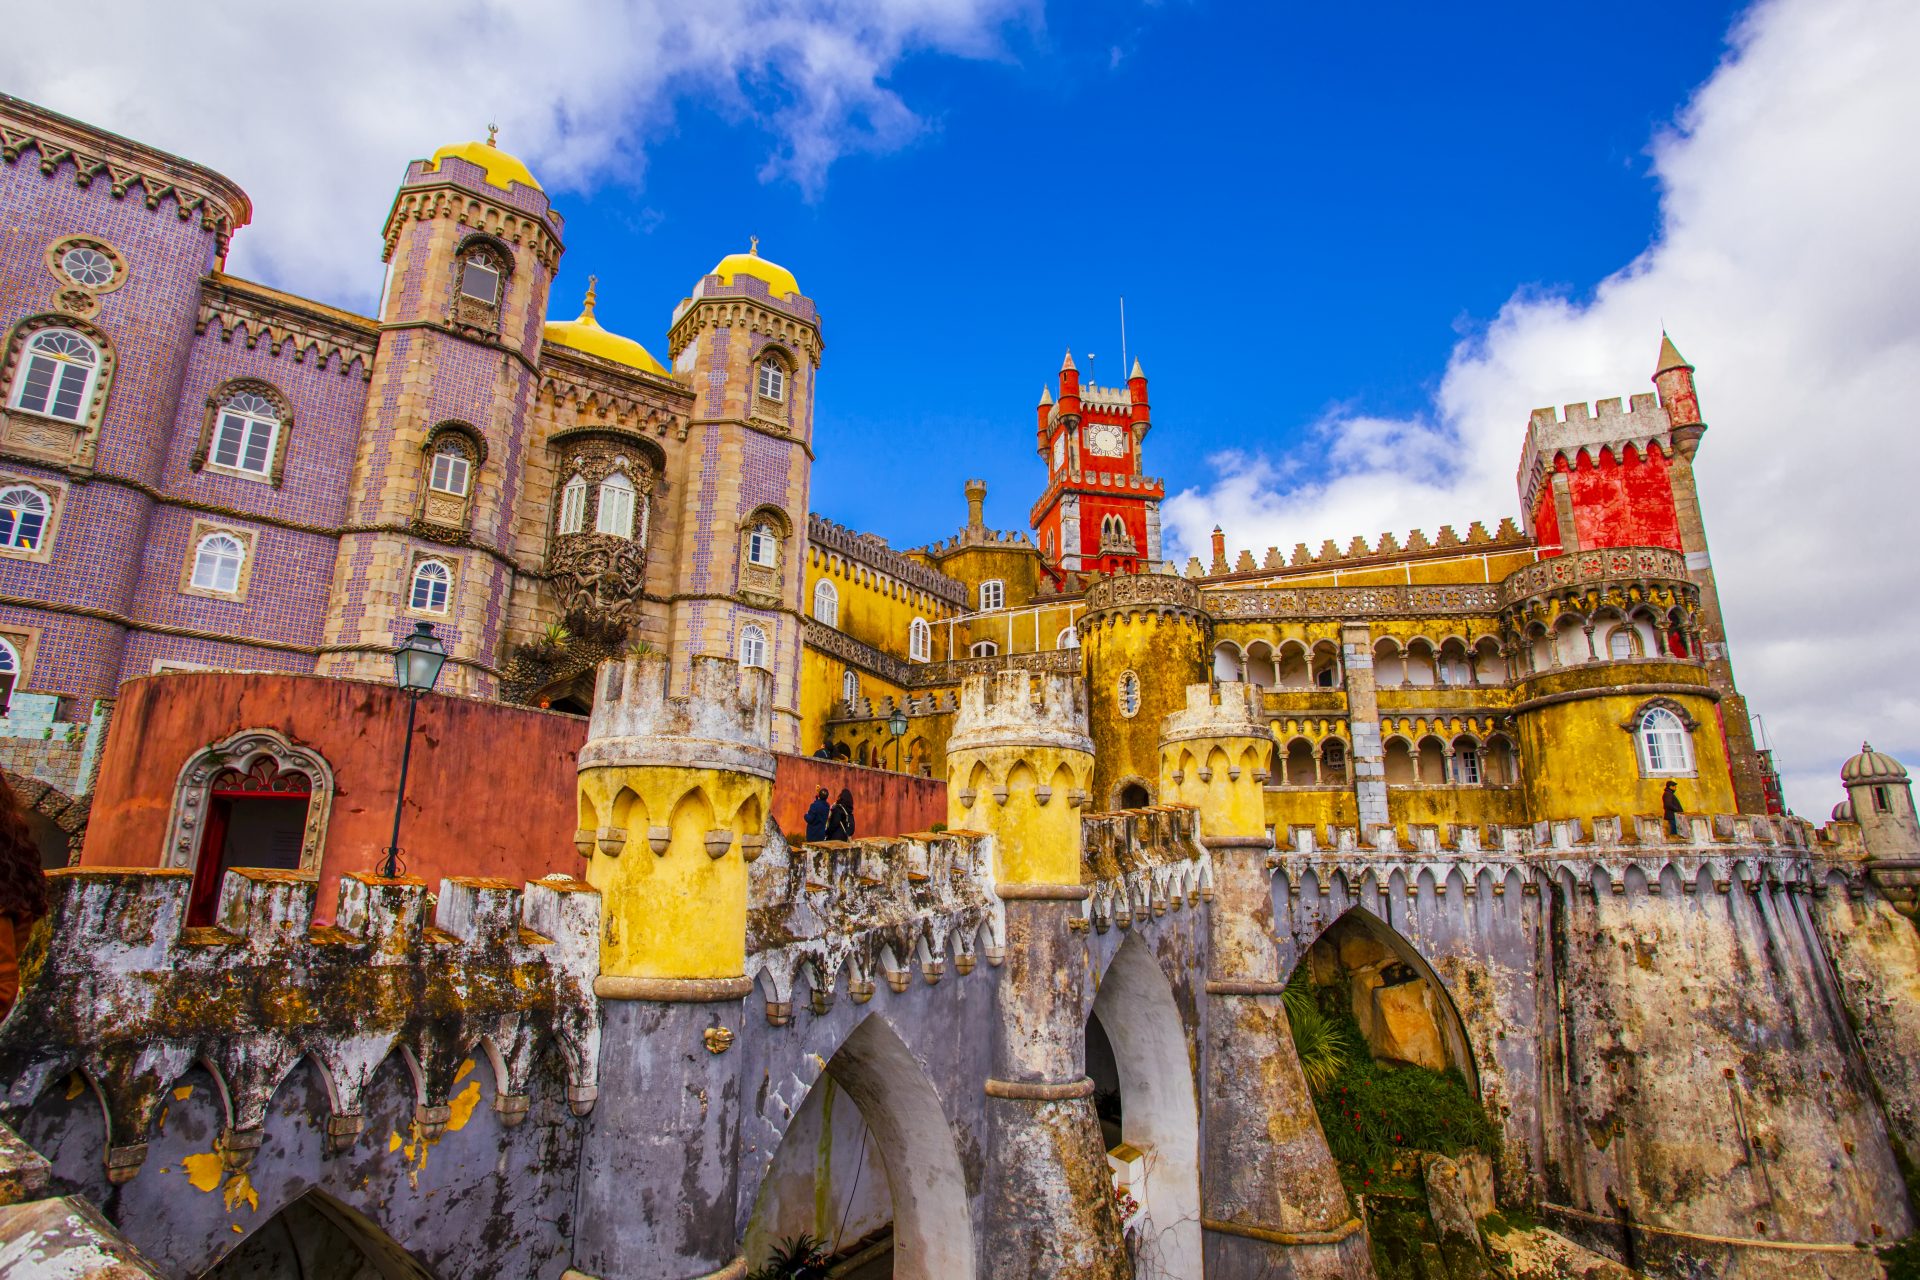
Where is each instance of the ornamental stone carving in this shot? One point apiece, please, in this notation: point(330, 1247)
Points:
point(242, 752)
point(600, 577)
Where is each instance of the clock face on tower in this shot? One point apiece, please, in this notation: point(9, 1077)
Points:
point(1105, 439)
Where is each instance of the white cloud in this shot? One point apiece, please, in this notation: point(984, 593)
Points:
point(1787, 268)
point(315, 112)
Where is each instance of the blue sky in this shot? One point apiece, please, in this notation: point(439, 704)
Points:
point(1304, 206)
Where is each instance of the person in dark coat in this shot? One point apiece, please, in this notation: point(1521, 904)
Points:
point(23, 892)
point(840, 821)
point(825, 752)
point(817, 814)
point(1671, 806)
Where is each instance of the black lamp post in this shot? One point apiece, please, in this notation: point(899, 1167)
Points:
point(897, 726)
point(416, 666)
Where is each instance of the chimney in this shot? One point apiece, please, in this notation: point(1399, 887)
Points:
point(1219, 551)
point(976, 499)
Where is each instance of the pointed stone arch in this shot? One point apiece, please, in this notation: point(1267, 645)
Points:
point(317, 1229)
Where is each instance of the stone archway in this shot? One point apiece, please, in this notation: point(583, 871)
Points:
point(1159, 1115)
point(319, 1238)
point(908, 1143)
point(1403, 1008)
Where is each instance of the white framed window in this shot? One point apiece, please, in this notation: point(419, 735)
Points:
point(984, 649)
point(1620, 643)
point(1067, 639)
point(1129, 694)
point(1665, 745)
point(56, 375)
point(23, 517)
point(773, 380)
point(615, 515)
point(451, 471)
point(919, 640)
point(763, 546)
point(1466, 765)
point(850, 691)
point(573, 506)
point(432, 581)
point(216, 563)
point(826, 603)
point(753, 647)
point(244, 437)
point(87, 266)
point(993, 594)
point(479, 281)
point(9, 673)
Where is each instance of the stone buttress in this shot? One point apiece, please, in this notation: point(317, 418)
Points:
point(1018, 767)
point(1272, 1202)
point(673, 804)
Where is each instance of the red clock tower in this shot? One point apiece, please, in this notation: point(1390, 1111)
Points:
point(1099, 512)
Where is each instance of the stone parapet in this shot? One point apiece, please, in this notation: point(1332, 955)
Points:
point(123, 991)
point(1136, 593)
point(723, 721)
point(1230, 709)
point(1015, 707)
point(1142, 863)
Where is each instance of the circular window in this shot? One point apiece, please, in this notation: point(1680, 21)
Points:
point(87, 266)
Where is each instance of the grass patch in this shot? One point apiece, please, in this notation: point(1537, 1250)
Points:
point(1501, 1221)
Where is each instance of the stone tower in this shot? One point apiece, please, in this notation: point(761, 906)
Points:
point(674, 794)
point(1145, 638)
point(1272, 1199)
point(1017, 769)
point(1880, 799)
point(1100, 511)
point(749, 341)
point(471, 249)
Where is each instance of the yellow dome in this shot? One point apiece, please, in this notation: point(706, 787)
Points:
point(778, 279)
point(502, 169)
point(585, 334)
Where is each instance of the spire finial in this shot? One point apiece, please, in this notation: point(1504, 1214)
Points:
point(593, 290)
point(493, 131)
point(753, 245)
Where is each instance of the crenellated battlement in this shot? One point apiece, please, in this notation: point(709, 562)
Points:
point(1227, 709)
point(866, 909)
point(723, 721)
point(1607, 426)
point(1359, 553)
point(130, 996)
point(1142, 863)
point(1016, 707)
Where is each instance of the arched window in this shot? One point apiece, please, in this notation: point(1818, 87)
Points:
point(1466, 763)
point(1129, 694)
point(1069, 638)
point(993, 594)
point(615, 515)
point(245, 435)
point(773, 380)
point(573, 506)
point(432, 580)
point(23, 517)
point(753, 646)
point(56, 375)
point(850, 691)
point(984, 649)
point(452, 471)
point(9, 673)
point(1665, 745)
point(826, 603)
point(763, 546)
point(1620, 643)
point(216, 563)
point(919, 640)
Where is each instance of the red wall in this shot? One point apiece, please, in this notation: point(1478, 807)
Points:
point(490, 791)
point(1624, 502)
point(884, 803)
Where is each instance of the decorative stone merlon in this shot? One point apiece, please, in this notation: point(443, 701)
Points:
point(132, 998)
point(1229, 709)
point(723, 721)
point(1021, 708)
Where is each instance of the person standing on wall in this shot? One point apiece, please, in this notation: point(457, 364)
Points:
point(840, 821)
point(1670, 806)
point(23, 892)
point(817, 815)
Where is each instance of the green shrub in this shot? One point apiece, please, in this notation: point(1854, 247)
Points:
point(798, 1257)
point(1902, 1260)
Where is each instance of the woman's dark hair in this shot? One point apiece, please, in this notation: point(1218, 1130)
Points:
point(23, 886)
point(846, 797)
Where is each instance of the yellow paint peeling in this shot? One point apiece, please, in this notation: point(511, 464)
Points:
point(184, 1092)
point(240, 1191)
point(393, 1142)
point(203, 1170)
point(74, 1085)
point(462, 1104)
point(466, 1068)
point(238, 1230)
point(161, 1122)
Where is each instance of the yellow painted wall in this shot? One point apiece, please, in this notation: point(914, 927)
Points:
point(875, 608)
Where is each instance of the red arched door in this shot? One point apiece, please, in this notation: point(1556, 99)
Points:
point(254, 819)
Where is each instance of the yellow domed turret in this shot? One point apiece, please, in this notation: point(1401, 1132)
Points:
point(585, 334)
point(502, 169)
point(778, 279)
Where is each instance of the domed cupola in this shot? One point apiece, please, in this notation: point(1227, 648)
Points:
point(1872, 766)
point(778, 279)
point(501, 168)
point(585, 334)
